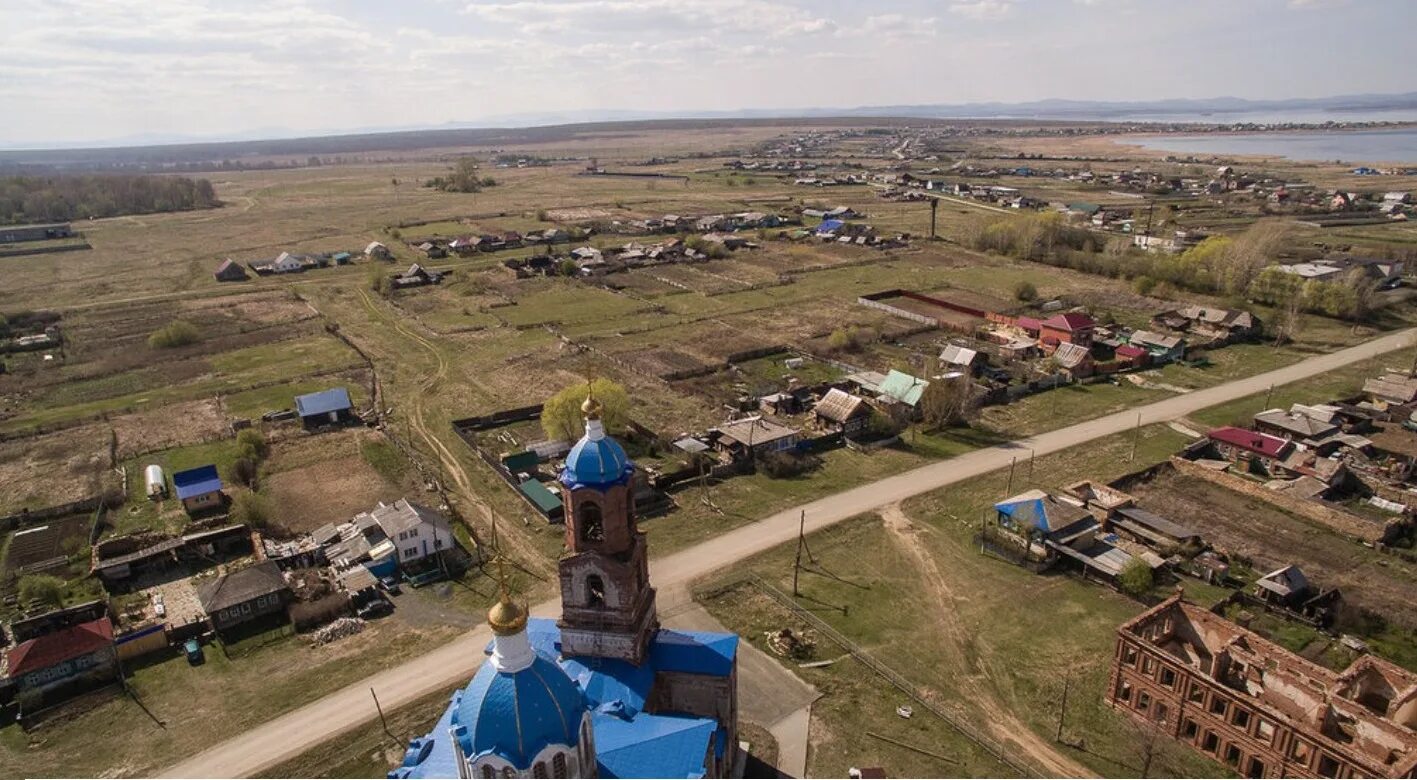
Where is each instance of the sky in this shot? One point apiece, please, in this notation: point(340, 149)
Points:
point(74, 71)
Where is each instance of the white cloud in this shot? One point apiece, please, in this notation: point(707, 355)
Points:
point(983, 10)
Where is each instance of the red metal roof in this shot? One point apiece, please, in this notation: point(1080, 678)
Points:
point(42, 652)
point(1127, 350)
point(1029, 323)
point(1254, 441)
point(1070, 322)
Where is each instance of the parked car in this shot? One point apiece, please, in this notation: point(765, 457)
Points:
point(159, 608)
point(376, 608)
point(391, 585)
point(193, 649)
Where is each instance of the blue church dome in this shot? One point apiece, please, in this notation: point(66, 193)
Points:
point(596, 459)
point(517, 714)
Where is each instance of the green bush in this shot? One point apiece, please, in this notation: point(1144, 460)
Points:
point(1025, 291)
point(252, 445)
point(253, 509)
point(1135, 578)
point(177, 333)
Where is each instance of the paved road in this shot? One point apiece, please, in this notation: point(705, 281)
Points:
point(291, 734)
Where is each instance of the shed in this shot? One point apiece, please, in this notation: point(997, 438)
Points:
point(903, 388)
point(542, 498)
point(198, 489)
point(230, 271)
point(326, 407)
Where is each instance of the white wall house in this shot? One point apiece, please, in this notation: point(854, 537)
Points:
point(416, 531)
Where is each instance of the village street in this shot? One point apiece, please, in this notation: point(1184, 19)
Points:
point(294, 732)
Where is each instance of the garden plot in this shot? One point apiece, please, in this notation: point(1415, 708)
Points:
point(177, 425)
point(53, 469)
point(326, 478)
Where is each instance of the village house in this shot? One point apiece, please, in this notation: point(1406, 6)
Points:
point(229, 600)
point(902, 392)
point(1074, 359)
point(416, 276)
point(416, 531)
point(1392, 389)
point(1054, 530)
point(1160, 347)
point(843, 412)
point(199, 489)
point(1293, 426)
point(965, 359)
point(1250, 450)
point(752, 437)
point(327, 407)
point(1255, 706)
point(1069, 328)
point(230, 271)
point(1211, 323)
point(1285, 587)
point(377, 251)
point(63, 657)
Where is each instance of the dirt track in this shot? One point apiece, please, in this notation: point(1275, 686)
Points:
point(287, 735)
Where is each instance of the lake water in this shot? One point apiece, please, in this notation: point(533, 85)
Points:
point(1356, 147)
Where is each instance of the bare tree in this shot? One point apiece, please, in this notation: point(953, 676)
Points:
point(1251, 252)
point(1150, 741)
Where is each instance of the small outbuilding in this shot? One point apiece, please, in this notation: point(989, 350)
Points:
point(199, 489)
point(230, 271)
point(327, 407)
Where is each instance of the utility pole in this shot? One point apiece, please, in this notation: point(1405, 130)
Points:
point(1031, 455)
point(934, 207)
point(382, 719)
point(1063, 710)
point(1136, 438)
point(1270, 393)
point(801, 541)
point(1009, 486)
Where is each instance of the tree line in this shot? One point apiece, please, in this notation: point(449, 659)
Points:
point(1241, 266)
point(64, 198)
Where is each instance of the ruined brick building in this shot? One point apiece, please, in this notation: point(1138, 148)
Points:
point(1258, 708)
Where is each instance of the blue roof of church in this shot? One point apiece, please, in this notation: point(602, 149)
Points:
point(517, 714)
point(597, 462)
point(629, 742)
point(652, 745)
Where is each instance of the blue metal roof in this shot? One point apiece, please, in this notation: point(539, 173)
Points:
point(830, 226)
point(335, 399)
point(517, 714)
point(652, 745)
point(196, 482)
point(696, 652)
point(629, 742)
point(597, 463)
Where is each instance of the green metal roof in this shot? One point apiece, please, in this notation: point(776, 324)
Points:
point(544, 499)
point(903, 387)
point(520, 461)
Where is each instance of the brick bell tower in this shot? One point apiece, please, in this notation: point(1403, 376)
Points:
point(607, 604)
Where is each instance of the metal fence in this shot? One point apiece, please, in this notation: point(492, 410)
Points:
point(985, 742)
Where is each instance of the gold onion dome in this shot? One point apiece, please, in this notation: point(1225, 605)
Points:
point(591, 408)
point(506, 617)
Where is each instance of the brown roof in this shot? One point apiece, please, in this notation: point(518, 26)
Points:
point(240, 587)
point(840, 406)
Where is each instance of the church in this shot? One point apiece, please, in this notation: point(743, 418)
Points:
point(604, 691)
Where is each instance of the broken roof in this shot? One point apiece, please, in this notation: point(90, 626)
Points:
point(1392, 387)
point(956, 355)
point(1284, 582)
point(1041, 510)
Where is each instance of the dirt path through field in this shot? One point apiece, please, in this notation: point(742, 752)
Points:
point(1000, 721)
point(452, 468)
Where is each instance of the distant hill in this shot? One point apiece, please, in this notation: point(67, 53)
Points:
point(549, 127)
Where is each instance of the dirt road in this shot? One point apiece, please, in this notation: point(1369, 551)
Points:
point(290, 734)
point(1001, 722)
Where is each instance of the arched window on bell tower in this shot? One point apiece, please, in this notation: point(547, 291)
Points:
point(595, 591)
point(590, 522)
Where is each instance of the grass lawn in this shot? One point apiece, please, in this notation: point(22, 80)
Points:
point(140, 513)
point(1064, 406)
point(253, 403)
